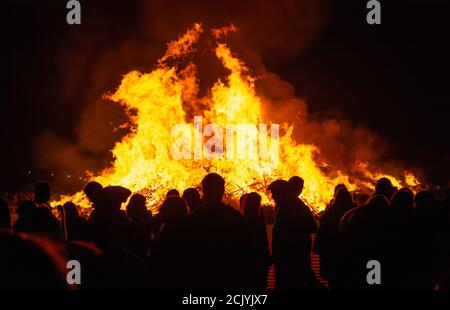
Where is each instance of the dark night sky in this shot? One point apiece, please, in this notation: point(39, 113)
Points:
point(392, 78)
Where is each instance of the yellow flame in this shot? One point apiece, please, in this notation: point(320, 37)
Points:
point(157, 101)
point(410, 179)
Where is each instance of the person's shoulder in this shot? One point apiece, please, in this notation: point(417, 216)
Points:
point(353, 212)
point(350, 216)
point(232, 212)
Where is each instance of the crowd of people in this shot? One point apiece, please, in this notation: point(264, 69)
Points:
point(197, 241)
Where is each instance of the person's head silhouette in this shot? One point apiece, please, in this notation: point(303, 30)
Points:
point(192, 197)
point(92, 189)
point(42, 192)
point(213, 187)
point(137, 208)
point(173, 193)
point(25, 208)
point(251, 205)
point(384, 187)
point(343, 198)
point(174, 209)
point(296, 185)
point(110, 198)
point(402, 200)
point(424, 200)
point(338, 187)
point(280, 190)
point(70, 209)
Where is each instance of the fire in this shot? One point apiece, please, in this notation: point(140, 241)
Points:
point(224, 31)
point(411, 179)
point(158, 100)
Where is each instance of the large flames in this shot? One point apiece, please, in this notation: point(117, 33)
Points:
point(159, 100)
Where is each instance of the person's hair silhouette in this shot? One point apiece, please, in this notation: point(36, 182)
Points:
point(280, 190)
point(402, 200)
point(384, 187)
point(338, 187)
point(136, 207)
point(213, 188)
point(70, 210)
point(296, 185)
point(91, 190)
point(173, 193)
point(174, 209)
point(192, 197)
point(251, 205)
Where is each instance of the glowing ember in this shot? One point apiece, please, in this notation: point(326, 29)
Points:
point(156, 102)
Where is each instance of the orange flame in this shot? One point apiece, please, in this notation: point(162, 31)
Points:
point(155, 103)
point(224, 31)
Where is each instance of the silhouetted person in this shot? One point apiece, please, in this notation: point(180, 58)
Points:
point(220, 241)
point(119, 268)
point(143, 222)
point(173, 210)
point(429, 223)
point(241, 201)
point(172, 192)
point(158, 221)
point(384, 187)
point(91, 190)
point(108, 224)
point(365, 233)
point(75, 224)
point(5, 215)
point(336, 189)
point(37, 220)
point(24, 212)
point(427, 211)
point(192, 197)
point(88, 255)
point(407, 244)
point(291, 237)
point(251, 208)
point(28, 263)
point(328, 243)
point(169, 247)
point(42, 194)
point(296, 184)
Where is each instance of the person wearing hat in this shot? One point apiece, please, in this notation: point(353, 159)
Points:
point(108, 224)
point(91, 190)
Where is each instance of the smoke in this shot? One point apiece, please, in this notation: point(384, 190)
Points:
point(341, 142)
point(133, 36)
